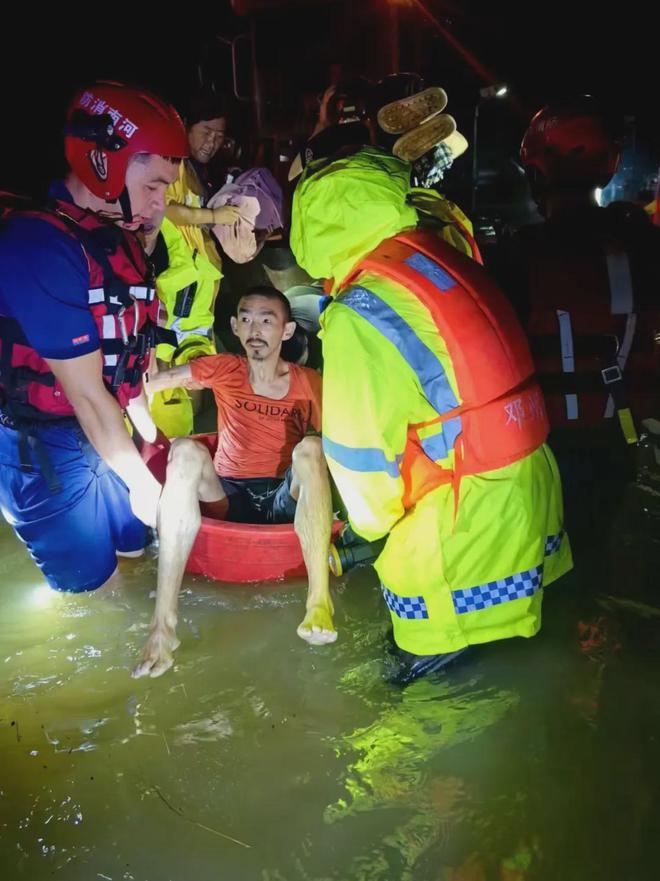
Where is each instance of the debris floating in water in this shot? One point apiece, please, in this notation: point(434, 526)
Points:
point(180, 813)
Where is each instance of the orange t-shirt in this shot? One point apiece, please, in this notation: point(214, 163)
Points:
point(256, 435)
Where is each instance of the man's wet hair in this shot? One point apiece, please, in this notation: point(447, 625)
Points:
point(269, 293)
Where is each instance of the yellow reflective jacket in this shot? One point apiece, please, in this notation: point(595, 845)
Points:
point(455, 227)
point(186, 271)
point(188, 191)
point(456, 569)
point(188, 275)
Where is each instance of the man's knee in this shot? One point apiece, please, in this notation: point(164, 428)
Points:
point(308, 454)
point(186, 460)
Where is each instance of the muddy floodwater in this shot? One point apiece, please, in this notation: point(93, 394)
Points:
point(263, 759)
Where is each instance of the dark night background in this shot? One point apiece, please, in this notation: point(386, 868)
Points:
point(542, 51)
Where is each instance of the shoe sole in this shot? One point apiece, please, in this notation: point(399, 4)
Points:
point(401, 116)
point(420, 140)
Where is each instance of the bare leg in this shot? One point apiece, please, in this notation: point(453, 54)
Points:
point(313, 524)
point(190, 479)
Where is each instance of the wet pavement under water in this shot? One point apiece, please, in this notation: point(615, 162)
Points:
point(261, 758)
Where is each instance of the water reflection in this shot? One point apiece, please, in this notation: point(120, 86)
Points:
point(258, 757)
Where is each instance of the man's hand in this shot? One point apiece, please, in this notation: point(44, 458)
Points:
point(225, 215)
point(156, 657)
point(102, 420)
point(324, 120)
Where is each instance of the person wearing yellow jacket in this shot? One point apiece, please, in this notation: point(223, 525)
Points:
point(433, 427)
point(206, 124)
point(435, 211)
point(184, 286)
point(206, 121)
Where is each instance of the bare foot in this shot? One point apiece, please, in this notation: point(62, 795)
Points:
point(156, 657)
point(317, 627)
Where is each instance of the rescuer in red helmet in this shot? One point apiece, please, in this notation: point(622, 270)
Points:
point(568, 151)
point(77, 313)
point(587, 286)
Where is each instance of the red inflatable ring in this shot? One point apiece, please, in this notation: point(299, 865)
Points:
point(243, 552)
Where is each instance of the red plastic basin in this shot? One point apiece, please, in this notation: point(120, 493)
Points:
point(243, 552)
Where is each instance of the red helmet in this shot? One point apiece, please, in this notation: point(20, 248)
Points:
point(107, 123)
point(572, 144)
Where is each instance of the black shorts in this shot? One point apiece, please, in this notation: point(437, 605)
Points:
point(260, 499)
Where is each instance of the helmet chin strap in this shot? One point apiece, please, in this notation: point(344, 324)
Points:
point(125, 205)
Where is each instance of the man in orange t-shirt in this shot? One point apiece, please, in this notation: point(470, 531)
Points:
point(267, 468)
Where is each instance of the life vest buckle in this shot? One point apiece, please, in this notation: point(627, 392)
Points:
point(117, 293)
point(139, 345)
point(611, 374)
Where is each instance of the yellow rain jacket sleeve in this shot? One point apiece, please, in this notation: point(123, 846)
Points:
point(365, 420)
point(431, 204)
point(185, 208)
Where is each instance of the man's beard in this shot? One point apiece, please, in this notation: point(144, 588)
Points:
point(256, 353)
